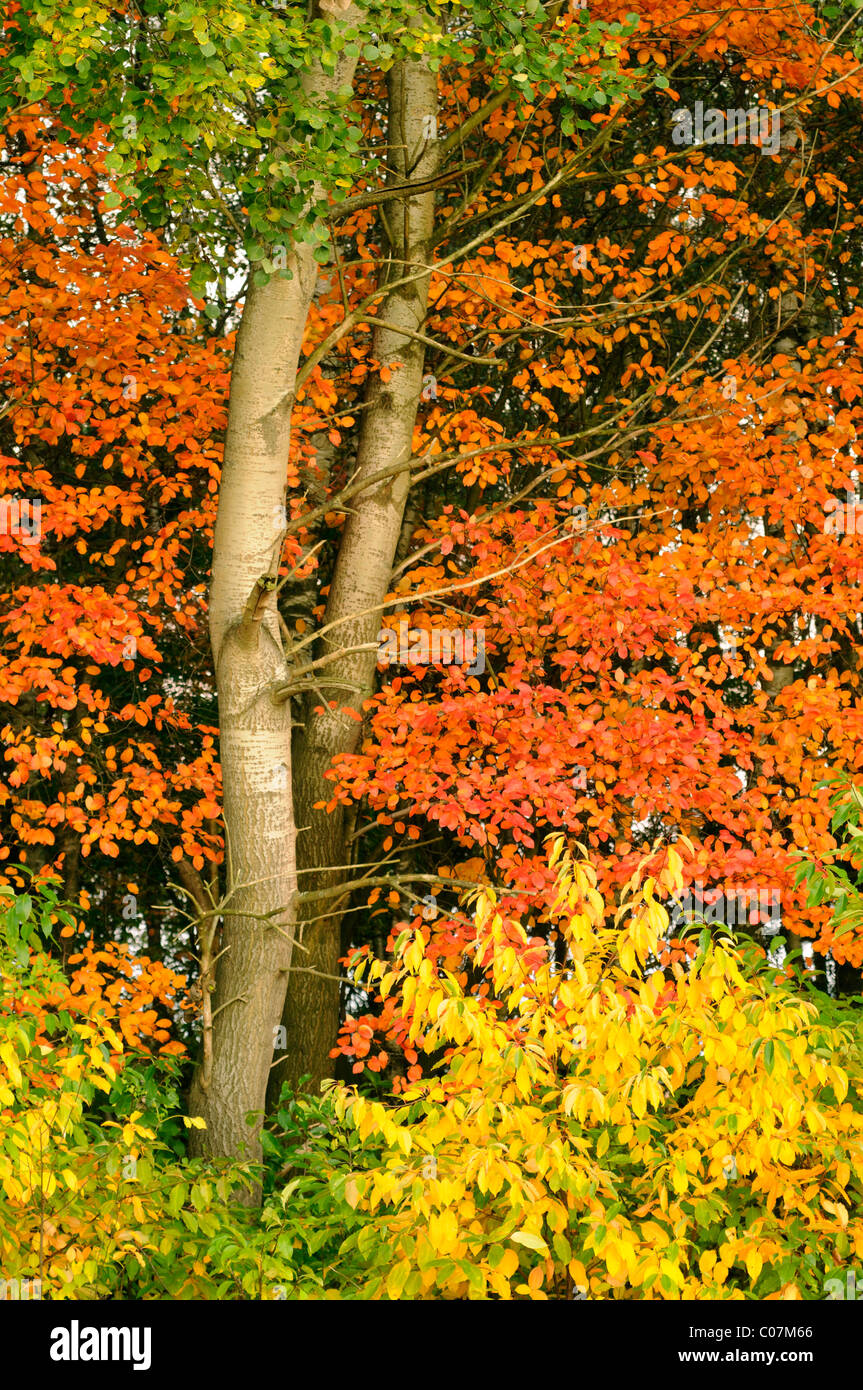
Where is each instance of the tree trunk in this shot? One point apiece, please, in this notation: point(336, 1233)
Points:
point(254, 717)
point(362, 574)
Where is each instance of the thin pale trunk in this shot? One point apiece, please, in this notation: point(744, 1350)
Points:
point(254, 716)
point(362, 572)
point(255, 723)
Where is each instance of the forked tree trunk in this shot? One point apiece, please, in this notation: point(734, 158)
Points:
point(362, 574)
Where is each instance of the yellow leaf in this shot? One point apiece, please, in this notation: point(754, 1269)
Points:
point(397, 1278)
point(532, 1241)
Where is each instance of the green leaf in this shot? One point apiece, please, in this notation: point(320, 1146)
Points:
point(562, 1248)
point(495, 1255)
point(176, 1198)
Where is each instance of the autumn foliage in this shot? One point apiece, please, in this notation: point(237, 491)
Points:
point(635, 477)
point(600, 1129)
point(671, 618)
point(669, 627)
point(606, 1127)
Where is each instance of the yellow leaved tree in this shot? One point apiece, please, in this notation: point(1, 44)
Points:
point(608, 1127)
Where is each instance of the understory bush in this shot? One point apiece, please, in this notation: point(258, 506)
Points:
point(624, 1124)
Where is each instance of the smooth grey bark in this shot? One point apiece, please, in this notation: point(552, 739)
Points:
point(256, 941)
point(362, 573)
